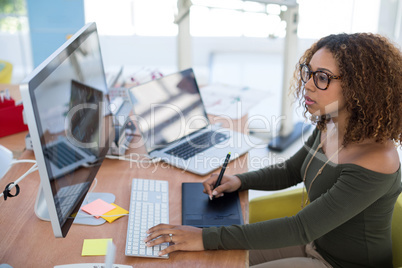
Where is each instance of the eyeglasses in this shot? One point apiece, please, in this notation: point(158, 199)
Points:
point(321, 79)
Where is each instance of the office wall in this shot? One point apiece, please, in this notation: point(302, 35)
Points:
point(50, 23)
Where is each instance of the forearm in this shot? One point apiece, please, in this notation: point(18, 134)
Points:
point(275, 177)
point(261, 235)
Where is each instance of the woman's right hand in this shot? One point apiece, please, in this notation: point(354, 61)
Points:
point(229, 183)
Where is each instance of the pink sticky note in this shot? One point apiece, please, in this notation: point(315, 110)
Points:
point(97, 207)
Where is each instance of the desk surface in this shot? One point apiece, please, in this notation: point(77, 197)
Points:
point(27, 240)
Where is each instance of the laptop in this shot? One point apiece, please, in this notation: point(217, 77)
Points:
point(175, 127)
point(64, 157)
point(73, 147)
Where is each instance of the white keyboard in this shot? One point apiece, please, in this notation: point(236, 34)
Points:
point(149, 206)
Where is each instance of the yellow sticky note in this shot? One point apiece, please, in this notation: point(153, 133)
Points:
point(95, 247)
point(117, 211)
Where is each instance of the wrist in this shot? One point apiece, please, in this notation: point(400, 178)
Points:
point(239, 182)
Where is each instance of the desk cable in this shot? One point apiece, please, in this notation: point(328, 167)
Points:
point(7, 190)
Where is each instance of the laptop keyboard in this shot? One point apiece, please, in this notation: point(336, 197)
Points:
point(197, 144)
point(62, 155)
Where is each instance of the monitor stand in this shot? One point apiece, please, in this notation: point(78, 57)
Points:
point(280, 143)
point(43, 214)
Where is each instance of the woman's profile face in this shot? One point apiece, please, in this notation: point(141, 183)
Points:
point(331, 100)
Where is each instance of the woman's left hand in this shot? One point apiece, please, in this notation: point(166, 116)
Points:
point(180, 237)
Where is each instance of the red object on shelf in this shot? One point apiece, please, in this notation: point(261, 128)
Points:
point(11, 118)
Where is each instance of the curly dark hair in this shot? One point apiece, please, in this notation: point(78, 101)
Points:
point(371, 69)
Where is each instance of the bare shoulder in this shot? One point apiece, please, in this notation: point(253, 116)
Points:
point(382, 158)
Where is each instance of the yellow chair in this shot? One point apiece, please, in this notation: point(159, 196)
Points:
point(397, 233)
point(6, 70)
point(288, 203)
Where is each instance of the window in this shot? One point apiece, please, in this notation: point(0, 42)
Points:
point(132, 17)
point(319, 18)
point(13, 16)
point(235, 18)
point(231, 17)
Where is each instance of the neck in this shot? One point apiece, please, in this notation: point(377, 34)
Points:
point(337, 126)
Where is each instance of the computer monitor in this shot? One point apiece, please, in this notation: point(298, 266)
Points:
point(69, 124)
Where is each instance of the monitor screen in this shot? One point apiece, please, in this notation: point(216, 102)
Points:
point(70, 127)
point(168, 109)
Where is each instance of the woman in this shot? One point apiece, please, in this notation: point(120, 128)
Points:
point(351, 84)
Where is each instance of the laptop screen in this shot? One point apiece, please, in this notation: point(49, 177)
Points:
point(168, 109)
point(85, 116)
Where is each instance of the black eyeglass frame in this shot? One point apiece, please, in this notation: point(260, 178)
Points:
point(312, 74)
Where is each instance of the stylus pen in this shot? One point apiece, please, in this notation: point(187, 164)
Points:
point(218, 182)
